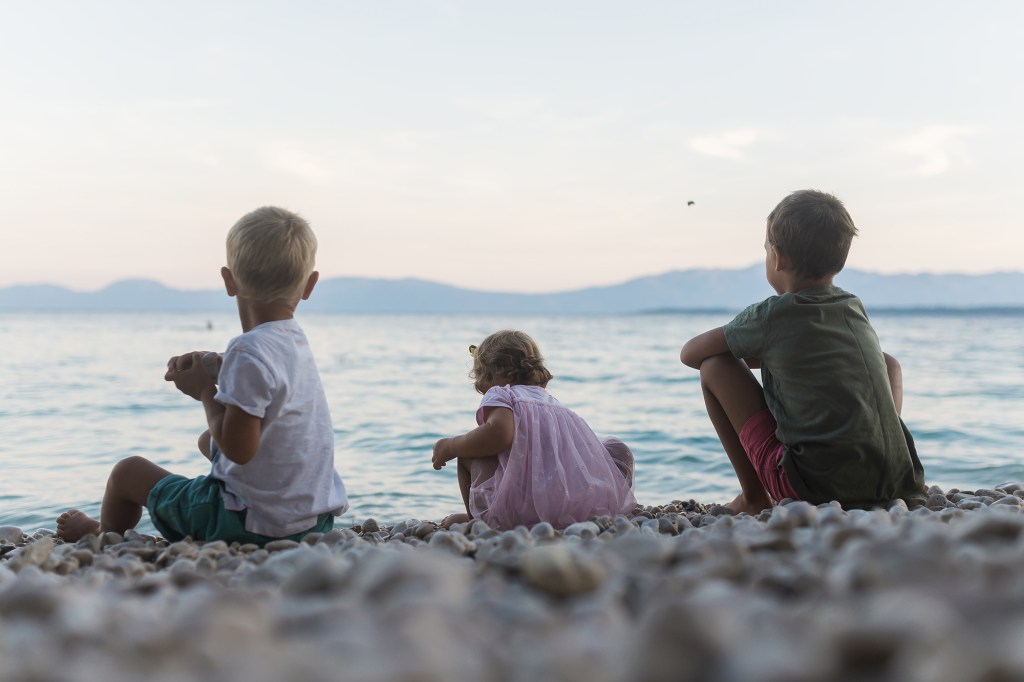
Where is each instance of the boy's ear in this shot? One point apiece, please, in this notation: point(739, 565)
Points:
point(314, 277)
point(229, 282)
point(781, 259)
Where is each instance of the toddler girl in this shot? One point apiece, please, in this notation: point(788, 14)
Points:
point(530, 459)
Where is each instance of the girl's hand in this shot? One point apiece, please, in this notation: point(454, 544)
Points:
point(441, 455)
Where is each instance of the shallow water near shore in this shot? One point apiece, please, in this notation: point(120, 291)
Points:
point(83, 390)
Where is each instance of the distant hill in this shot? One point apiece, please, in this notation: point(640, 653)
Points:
point(702, 289)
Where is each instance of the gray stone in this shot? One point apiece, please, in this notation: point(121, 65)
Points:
point(11, 534)
point(112, 538)
point(559, 571)
point(543, 531)
point(456, 544)
point(583, 529)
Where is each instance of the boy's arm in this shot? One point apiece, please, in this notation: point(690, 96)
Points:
point(895, 372)
point(703, 346)
point(492, 437)
point(236, 432)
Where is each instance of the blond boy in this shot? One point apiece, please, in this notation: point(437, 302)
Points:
point(269, 436)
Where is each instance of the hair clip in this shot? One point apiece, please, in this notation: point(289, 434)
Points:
point(472, 350)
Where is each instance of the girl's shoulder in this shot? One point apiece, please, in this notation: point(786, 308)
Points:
point(510, 394)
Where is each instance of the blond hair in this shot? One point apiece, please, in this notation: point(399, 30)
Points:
point(814, 230)
point(509, 356)
point(271, 253)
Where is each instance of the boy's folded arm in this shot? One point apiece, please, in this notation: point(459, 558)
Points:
point(235, 431)
point(703, 346)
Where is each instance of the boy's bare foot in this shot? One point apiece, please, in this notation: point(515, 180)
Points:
point(752, 507)
point(452, 519)
point(72, 525)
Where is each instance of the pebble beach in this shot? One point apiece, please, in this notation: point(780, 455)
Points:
point(681, 591)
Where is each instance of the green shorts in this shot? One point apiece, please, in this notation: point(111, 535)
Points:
point(192, 507)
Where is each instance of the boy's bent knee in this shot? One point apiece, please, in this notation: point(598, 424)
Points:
point(129, 465)
point(717, 365)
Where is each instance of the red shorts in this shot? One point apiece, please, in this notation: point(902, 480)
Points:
point(765, 452)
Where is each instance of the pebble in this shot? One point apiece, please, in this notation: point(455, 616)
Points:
point(559, 570)
point(11, 535)
point(680, 591)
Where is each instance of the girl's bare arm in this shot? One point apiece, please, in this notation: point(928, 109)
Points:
point(492, 437)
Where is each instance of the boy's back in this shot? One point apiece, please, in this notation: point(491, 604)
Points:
point(825, 425)
point(269, 372)
point(826, 384)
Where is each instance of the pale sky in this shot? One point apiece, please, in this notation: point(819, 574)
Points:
point(516, 146)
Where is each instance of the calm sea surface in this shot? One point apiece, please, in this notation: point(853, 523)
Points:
point(82, 390)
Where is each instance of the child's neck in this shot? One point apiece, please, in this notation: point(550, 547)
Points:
point(794, 284)
point(253, 313)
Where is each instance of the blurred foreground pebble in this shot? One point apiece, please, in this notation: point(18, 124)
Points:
point(681, 591)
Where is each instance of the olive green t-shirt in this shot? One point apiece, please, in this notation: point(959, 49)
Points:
point(826, 384)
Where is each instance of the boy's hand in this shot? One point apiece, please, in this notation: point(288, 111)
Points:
point(189, 375)
point(441, 455)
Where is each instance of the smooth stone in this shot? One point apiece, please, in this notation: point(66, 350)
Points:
point(456, 544)
point(1008, 500)
point(112, 538)
point(90, 541)
point(370, 526)
point(666, 526)
point(36, 553)
point(31, 598)
point(478, 528)
point(899, 506)
point(183, 549)
point(583, 529)
point(424, 529)
point(557, 570)
point(543, 531)
point(11, 534)
point(280, 545)
point(991, 527)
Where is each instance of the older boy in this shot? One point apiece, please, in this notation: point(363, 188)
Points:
point(270, 438)
point(826, 425)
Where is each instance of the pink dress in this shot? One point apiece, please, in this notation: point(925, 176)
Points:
point(557, 469)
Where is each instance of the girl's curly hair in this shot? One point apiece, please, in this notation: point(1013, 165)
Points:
point(509, 356)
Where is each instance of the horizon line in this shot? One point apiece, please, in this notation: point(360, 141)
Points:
point(127, 279)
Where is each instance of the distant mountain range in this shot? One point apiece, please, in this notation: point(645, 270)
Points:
point(703, 289)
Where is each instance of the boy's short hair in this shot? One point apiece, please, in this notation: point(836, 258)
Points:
point(271, 253)
point(814, 230)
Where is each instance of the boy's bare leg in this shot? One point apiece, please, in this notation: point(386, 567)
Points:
point(465, 478)
point(895, 372)
point(733, 396)
point(127, 489)
point(204, 445)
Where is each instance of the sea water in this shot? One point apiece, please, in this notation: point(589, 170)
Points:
point(82, 390)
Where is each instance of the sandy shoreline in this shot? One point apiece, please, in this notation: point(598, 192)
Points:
point(679, 592)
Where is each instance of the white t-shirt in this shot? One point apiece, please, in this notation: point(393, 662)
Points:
point(269, 372)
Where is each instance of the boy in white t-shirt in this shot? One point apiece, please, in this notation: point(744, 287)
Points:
point(270, 438)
